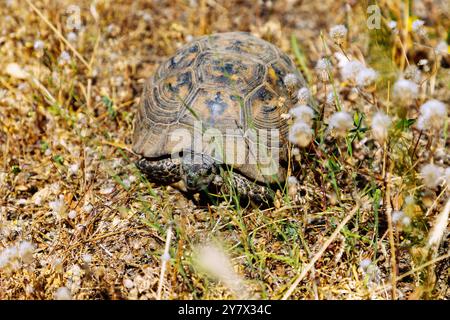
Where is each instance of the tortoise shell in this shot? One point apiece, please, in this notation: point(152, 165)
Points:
point(231, 83)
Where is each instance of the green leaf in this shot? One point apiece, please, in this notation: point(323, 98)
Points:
point(301, 58)
point(349, 141)
point(110, 106)
point(58, 159)
point(15, 169)
point(404, 124)
point(44, 146)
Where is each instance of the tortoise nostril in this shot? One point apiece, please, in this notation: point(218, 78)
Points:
point(190, 183)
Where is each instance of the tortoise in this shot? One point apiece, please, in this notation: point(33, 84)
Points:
point(230, 88)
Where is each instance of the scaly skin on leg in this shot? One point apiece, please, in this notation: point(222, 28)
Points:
point(164, 171)
point(244, 187)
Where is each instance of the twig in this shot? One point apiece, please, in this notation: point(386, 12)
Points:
point(416, 144)
point(435, 202)
point(106, 250)
point(404, 35)
point(391, 233)
point(439, 228)
point(319, 253)
point(89, 82)
point(164, 262)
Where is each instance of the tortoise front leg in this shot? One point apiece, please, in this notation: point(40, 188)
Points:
point(244, 187)
point(164, 171)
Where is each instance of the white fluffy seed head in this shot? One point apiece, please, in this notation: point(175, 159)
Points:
point(366, 77)
point(38, 45)
point(16, 71)
point(380, 126)
point(26, 250)
point(322, 67)
point(323, 64)
point(87, 258)
point(9, 258)
point(392, 24)
point(338, 34)
point(215, 259)
point(447, 177)
point(300, 133)
point(72, 214)
point(88, 208)
point(29, 289)
point(409, 200)
point(303, 113)
point(418, 26)
point(303, 95)
point(406, 221)
point(64, 58)
point(432, 115)
point(58, 207)
point(57, 265)
point(332, 98)
point(339, 123)
point(165, 257)
point(71, 36)
point(292, 181)
point(413, 73)
point(405, 91)
point(128, 283)
point(422, 62)
point(350, 69)
point(63, 293)
point(73, 169)
point(432, 175)
point(341, 59)
point(442, 48)
point(397, 216)
point(216, 263)
point(290, 80)
point(365, 263)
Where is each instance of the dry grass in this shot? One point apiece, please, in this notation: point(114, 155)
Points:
point(69, 186)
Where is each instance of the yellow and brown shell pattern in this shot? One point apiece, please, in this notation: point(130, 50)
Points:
point(227, 81)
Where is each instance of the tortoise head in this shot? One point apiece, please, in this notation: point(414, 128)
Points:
point(198, 171)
